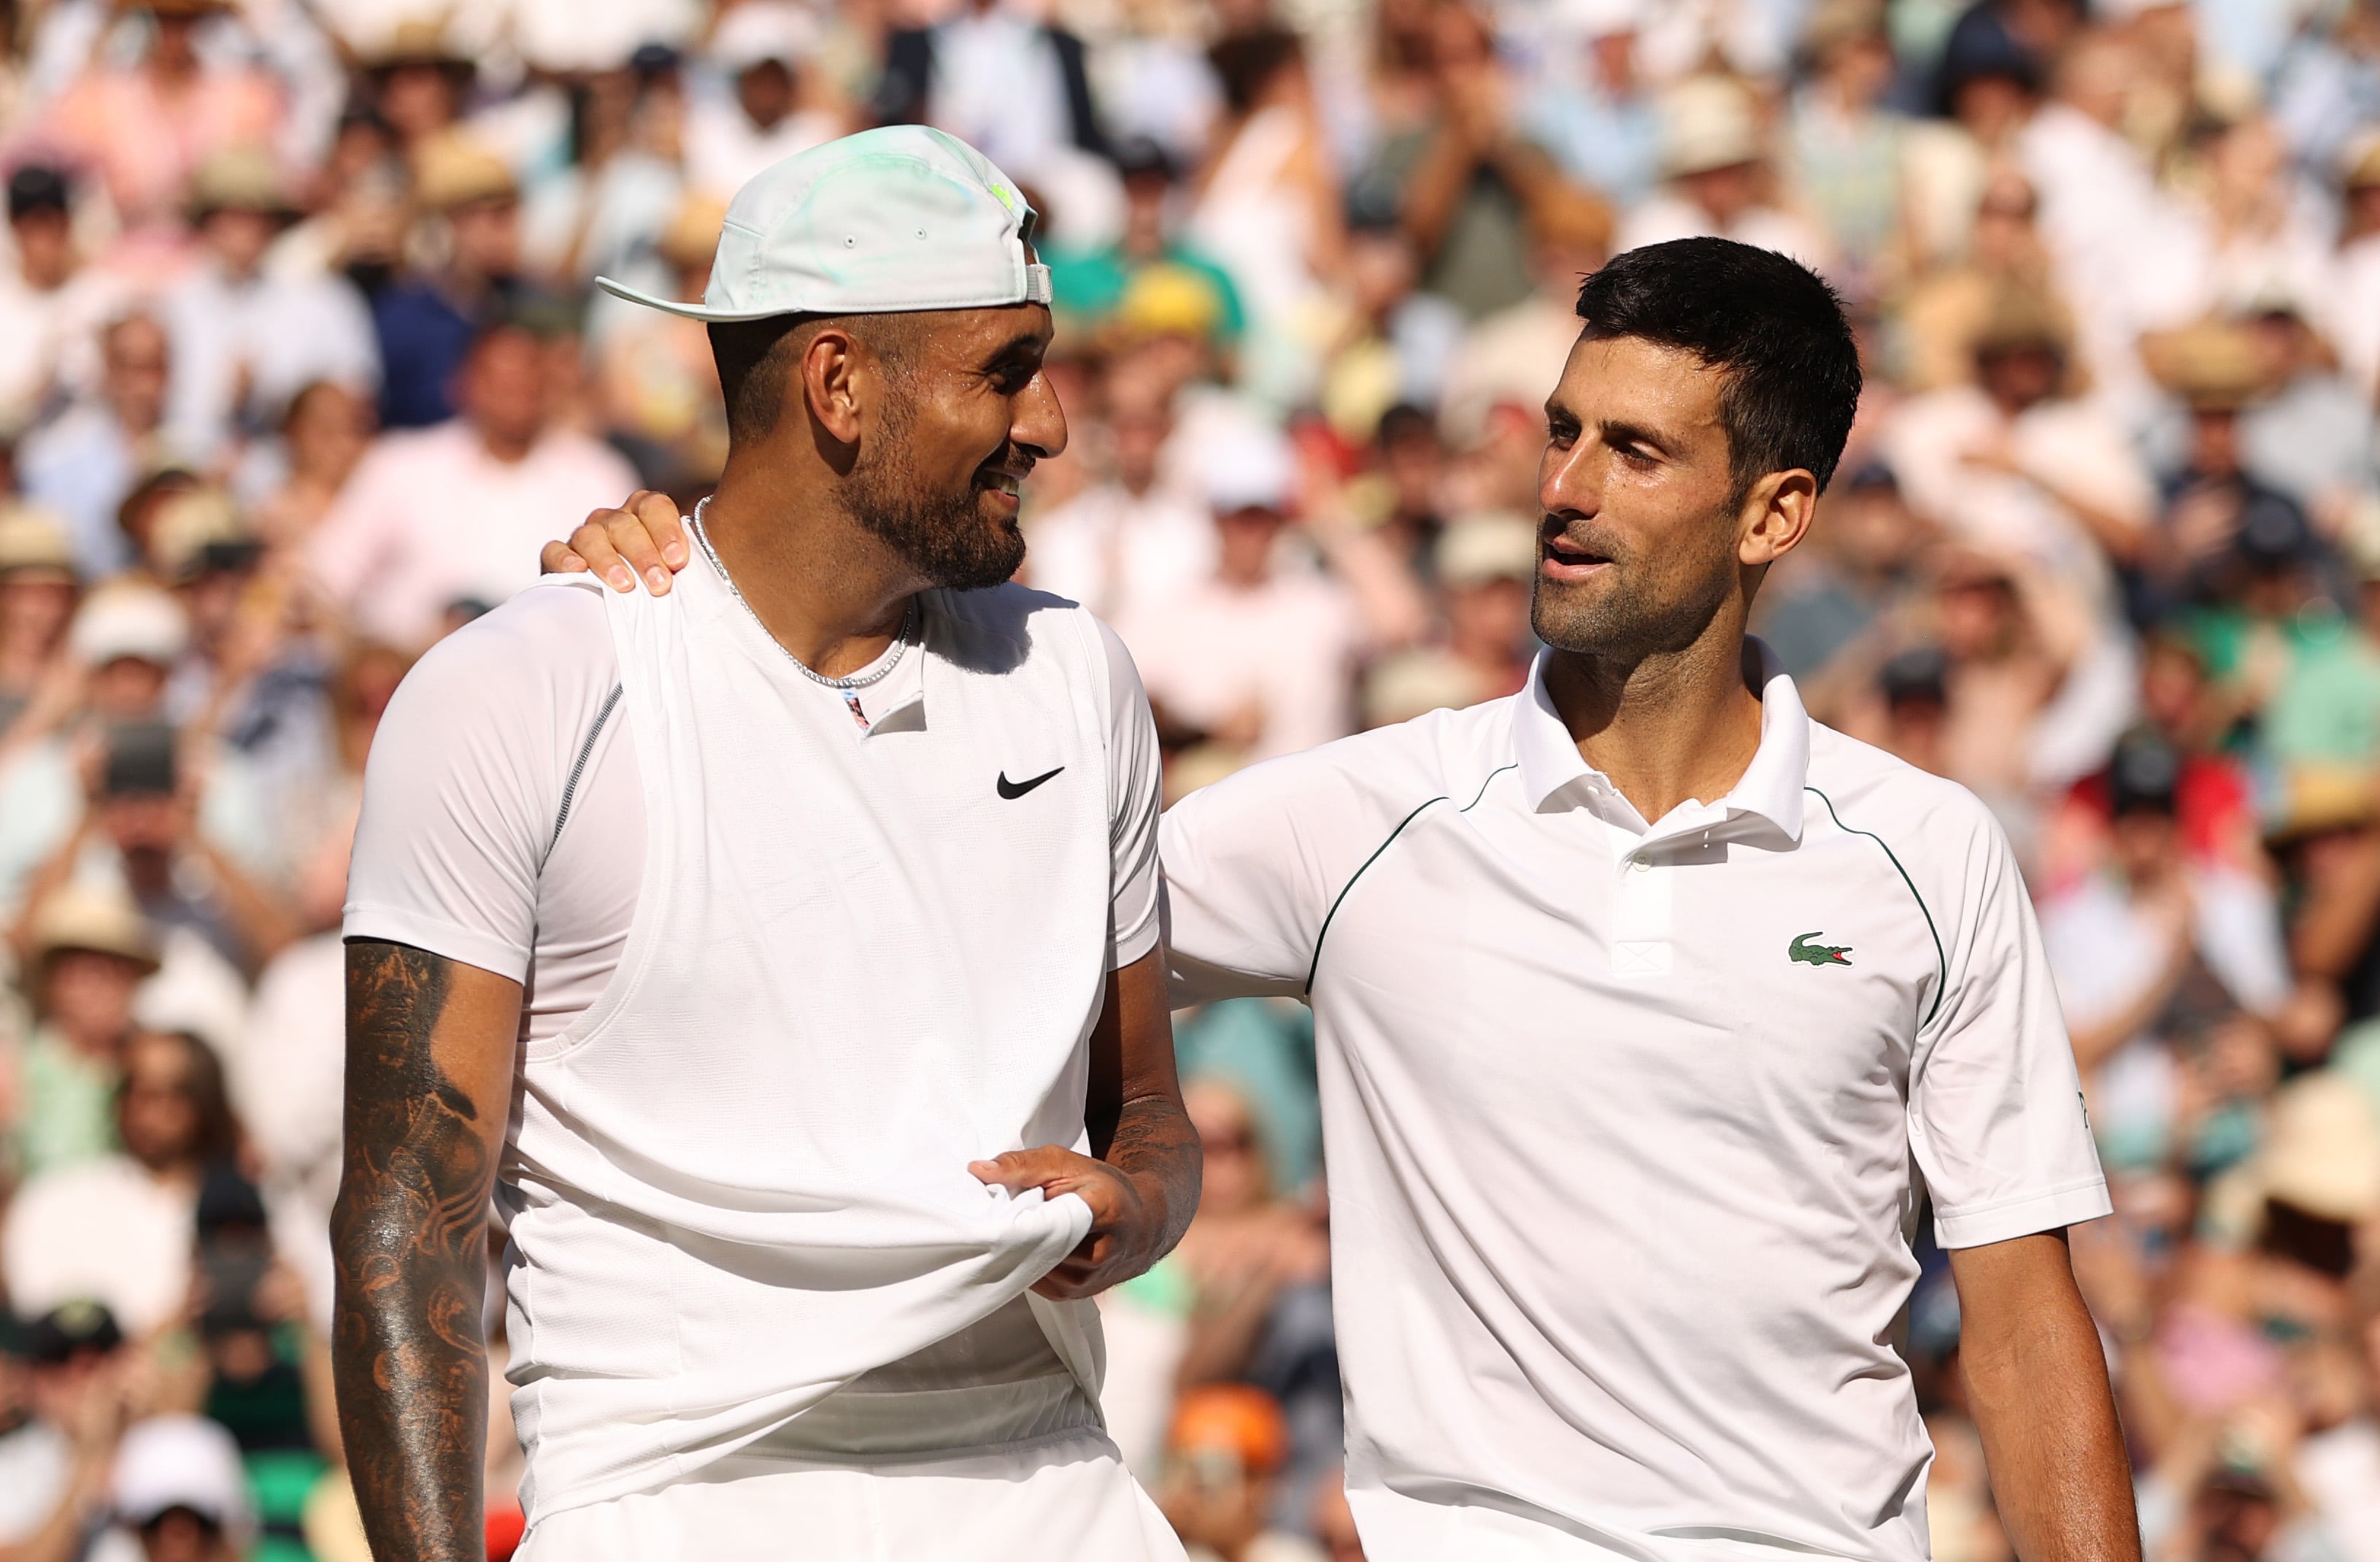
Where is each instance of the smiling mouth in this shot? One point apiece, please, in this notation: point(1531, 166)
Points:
point(1000, 478)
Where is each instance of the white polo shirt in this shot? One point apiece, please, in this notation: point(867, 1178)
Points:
point(1626, 1124)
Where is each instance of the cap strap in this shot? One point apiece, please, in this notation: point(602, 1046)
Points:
point(1037, 283)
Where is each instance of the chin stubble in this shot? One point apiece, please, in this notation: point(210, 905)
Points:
point(943, 536)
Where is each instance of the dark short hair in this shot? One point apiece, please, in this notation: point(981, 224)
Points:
point(754, 357)
point(1779, 332)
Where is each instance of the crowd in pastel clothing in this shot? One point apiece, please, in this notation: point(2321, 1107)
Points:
point(300, 361)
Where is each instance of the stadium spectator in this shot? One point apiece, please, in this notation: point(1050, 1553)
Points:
point(453, 514)
point(86, 462)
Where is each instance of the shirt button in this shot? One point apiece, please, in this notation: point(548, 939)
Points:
point(1640, 866)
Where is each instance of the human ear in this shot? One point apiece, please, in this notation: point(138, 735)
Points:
point(831, 367)
point(1776, 517)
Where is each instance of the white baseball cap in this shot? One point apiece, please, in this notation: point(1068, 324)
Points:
point(885, 222)
point(182, 1461)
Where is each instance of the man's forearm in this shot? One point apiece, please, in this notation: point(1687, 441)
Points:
point(409, 1236)
point(2037, 1384)
point(1154, 1144)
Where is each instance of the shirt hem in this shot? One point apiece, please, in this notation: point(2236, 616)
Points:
point(2070, 1205)
point(443, 939)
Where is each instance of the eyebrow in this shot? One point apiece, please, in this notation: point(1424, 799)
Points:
point(1021, 342)
point(1623, 432)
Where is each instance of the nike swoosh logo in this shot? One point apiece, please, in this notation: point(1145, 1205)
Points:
point(1012, 790)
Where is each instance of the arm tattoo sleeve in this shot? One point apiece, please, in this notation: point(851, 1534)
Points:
point(1153, 1139)
point(409, 1234)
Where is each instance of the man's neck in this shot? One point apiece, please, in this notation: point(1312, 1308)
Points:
point(511, 449)
point(825, 589)
point(1670, 727)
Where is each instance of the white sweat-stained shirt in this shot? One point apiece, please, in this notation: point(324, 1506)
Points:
point(1627, 1125)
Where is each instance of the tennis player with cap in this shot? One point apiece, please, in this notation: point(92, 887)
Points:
point(1649, 1012)
point(779, 954)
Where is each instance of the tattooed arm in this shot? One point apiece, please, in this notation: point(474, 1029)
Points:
point(1144, 1186)
point(429, 1086)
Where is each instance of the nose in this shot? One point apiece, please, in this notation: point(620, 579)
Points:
point(1566, 485)
point(1040, 422)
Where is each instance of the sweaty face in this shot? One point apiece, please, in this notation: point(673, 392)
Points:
point(966, 412)
point(1637, 548)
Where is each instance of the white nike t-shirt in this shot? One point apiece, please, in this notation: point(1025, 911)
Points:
point(506, 830)
point(468, 851)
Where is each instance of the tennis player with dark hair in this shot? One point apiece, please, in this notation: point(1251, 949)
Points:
point(781, 954)
point(1649, 1015)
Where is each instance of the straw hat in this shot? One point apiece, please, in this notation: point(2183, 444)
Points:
point(32, 539)
point(455, 170)
point(2020, 318)
point(420, 40)
point(100, 921)
point(238, 178)
point(186, 523)
point(2213, 365)
point(2322, 1154)
point(1709, 122)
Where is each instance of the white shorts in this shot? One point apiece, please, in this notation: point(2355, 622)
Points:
point(1066, 1498)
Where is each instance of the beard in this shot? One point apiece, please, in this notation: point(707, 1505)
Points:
point(945, 537)
point(1641, 603)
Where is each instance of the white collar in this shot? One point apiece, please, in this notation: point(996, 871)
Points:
point(1770, 786)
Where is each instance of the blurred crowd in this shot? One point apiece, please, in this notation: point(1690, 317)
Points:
point(300, 361)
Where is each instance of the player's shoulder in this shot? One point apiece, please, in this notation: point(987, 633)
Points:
point(1354, 785)
point(1932, 825)
point(546, 647)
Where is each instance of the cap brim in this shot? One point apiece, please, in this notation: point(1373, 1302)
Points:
point(691, 312)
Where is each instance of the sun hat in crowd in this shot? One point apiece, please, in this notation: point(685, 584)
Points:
point(1251, 468)
point(94, 918)
point(1491, 546)
point(1707, 122)
point(31, 539)
point(885, 222)
point(2213, 366)
point(2321, 1152)
point(454, 170)
point(239, 178)
point(759, 32)
point(171, 1462)
point(129, 620)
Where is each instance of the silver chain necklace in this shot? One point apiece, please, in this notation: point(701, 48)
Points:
point(846, 685)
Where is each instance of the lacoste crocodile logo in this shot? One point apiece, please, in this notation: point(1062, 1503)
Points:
point(1811, 954)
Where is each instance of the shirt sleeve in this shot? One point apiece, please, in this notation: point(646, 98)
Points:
point(1996, 1114)
point(466, 776)
point(1246, 880)
point(1135, 800)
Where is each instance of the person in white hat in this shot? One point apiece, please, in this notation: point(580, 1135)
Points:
point(780, 953)
point(1715, 161)
point(1253, 660)
point(178, 1486)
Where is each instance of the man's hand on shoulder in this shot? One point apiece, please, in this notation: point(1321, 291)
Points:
point(1125, 1234)
point(645, 537)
